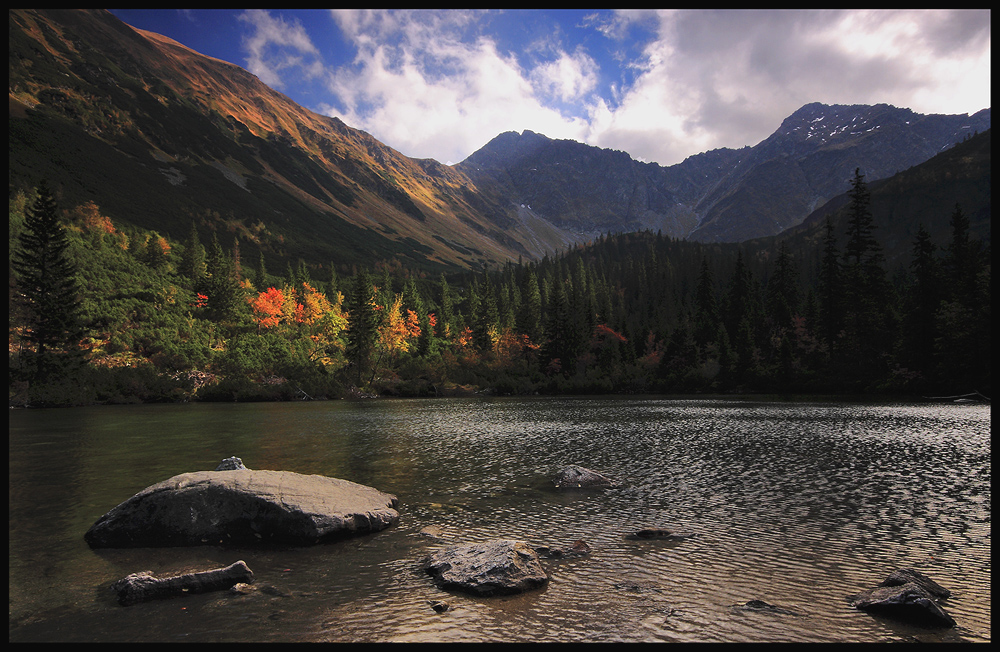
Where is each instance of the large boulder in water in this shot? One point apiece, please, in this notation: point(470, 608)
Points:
point(243, 506)
point(497, 567)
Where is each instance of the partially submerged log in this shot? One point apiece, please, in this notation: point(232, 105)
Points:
point(142, 586)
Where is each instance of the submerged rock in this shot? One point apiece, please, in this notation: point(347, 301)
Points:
point(497, 567)
point(241, 507)
point(906, 594)
point(760, 605)
point(578, 549)
point(660, 534)
point(578, 477)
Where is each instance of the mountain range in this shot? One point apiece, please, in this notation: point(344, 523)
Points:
point(161, 137)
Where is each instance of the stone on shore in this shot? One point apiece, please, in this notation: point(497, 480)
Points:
point(497, 567)
point(243, 506)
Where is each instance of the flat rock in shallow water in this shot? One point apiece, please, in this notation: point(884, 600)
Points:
point(243, 507)
point(497, 567)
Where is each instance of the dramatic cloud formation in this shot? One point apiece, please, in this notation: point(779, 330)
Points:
point(661, 85)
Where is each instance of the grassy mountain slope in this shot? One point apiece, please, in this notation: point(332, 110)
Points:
point(159, 135)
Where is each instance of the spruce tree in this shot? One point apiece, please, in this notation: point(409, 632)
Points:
point(193, 258)
point(222, 284)
point(47, 286)
point(869, 321)
point(830, 290)
point(529, 315)
point(362, 325)
point(923, 299)
point(706, 311)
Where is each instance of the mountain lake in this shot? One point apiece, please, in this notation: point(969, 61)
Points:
point(798, 503)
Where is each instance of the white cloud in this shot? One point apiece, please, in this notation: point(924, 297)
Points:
point(424, 84)
point(727, 78)
point(661, 85)
point(277, 45)
point(570, 77)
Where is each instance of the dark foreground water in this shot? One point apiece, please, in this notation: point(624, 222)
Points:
point(799, 504)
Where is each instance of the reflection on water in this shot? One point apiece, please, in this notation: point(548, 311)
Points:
point(797, 504)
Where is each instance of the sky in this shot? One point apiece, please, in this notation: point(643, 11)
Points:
point(661, 85)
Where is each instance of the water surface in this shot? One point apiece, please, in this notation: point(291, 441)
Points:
point(799, 504)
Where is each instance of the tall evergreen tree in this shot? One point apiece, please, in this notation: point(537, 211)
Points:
point(923, 300)
point(529, 316)
point(963, 321)
point(783, 289)
point(47, 286)
point(362, 330)
point(706, 309)
point(193, 258)
point(869, 318)
point(222, 284)
point(830, 290)
point(558, 329)
point(447, 316)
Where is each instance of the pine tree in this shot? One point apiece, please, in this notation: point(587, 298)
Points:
point(830, 290)
point(923, 300)
point(783, 290)
point(529, 315)
point(193, 259)
point(706, 317)
point(447, 317)
point(362, 329)
point(869, 320)
point(47, 285)
point(963, 320)
point(559, 329)
point(222, 284)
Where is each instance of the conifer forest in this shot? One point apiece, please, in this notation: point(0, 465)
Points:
point(101, 313)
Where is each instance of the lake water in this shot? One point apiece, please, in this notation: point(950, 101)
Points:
point(799, 504)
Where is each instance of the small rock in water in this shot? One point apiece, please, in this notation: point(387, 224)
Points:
point(907, 594)
point(432, 531)
point(500, 566)
point(577, 477)
point(231, 464)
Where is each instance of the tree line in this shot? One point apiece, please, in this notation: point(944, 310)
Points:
point(100, 314)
